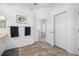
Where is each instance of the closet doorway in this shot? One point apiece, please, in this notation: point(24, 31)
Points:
point(60, 30)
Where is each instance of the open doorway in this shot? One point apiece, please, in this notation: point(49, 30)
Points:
point(42, 34)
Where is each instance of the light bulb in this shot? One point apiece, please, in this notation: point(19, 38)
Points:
point(2, 18)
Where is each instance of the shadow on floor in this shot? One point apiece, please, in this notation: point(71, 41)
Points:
point(11, 52)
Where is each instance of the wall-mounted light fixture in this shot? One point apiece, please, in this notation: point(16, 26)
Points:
point(2, 21)
point(2, 18)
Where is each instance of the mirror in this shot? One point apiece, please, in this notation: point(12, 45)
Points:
point(2, 21)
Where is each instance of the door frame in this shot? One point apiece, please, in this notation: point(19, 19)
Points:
point(66, 26)
point(43, 21)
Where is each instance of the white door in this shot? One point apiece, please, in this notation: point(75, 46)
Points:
point(60, 30)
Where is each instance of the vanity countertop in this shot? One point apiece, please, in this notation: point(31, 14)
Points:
point(3, 34)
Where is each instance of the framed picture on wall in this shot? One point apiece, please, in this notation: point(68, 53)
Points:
point(21, 19)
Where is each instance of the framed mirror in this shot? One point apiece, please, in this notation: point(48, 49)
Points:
point(2, 21)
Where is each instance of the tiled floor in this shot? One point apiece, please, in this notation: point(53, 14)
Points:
point(42, 49)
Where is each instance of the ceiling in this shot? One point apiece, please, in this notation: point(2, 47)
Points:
point(33, 6)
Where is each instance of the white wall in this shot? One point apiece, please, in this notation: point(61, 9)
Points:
point(76, 28)
point(10, 12)
point(50, 29)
